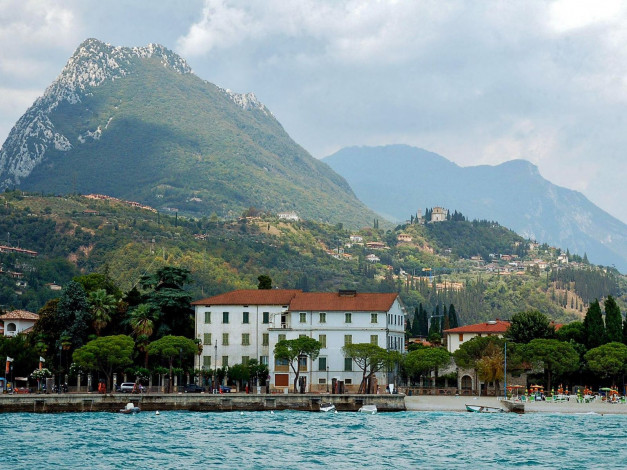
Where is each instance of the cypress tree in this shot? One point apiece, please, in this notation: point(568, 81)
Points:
point(423, 322)
point(452, 317)
point(593, 326)
point(613, 320)
point(625, 331)
point(414, 324)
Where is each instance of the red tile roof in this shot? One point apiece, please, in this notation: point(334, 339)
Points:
point(251, 297)
point(333, 301)
point(19, 315)
point(496, 327)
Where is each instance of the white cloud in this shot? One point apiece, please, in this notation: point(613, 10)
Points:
point(566, 15)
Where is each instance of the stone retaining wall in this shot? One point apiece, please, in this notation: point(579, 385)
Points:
point(84, 402)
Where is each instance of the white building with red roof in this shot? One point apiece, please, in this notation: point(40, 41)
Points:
point(234, 327)
point(455, 337)
point(18, 321)
point(245, 324)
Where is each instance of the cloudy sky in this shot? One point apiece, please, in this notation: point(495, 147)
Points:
point(477, 82)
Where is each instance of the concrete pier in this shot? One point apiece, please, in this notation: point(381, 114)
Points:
point(86, 402)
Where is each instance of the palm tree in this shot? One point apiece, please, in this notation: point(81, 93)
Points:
point(102, 305)
point(142, 322)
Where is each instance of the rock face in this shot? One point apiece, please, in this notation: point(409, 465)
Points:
point(92, 64)
point(137, 123)
point(398, 180)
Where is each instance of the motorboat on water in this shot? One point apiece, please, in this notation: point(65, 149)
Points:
point(484, 409)
point(327, 407)
point(372, 409)
point(130, 408)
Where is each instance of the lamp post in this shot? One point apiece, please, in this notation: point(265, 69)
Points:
point(215, 366)
point(327, 379)
point(60, 357)
point(180, 366)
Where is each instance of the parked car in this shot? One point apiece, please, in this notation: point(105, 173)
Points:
point(193, 388)
point(225, 389)
point(131, 387)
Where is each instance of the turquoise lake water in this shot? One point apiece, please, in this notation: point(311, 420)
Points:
point(300, 440)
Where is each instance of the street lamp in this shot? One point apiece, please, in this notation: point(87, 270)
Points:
point(60, 357)
point(215, 366)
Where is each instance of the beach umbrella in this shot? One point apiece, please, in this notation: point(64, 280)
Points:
point(605, 389)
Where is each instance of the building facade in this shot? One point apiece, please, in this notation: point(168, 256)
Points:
point(245, 324)
point(18, 321)
point(336, 319)
point(234, 327)
point(455, 337)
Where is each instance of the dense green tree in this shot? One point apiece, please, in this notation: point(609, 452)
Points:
point(491, 366)
point(48, 328)
point(530, 325)
point(292, 350)
point(608, 360)
point(74, 315)
point(25, 354)
point(265, 282)
point(424, 360)
point(169, 347)
point(105, 354)
point(452, 317)
point(102, 305)
point(240, 373)
point(370, 358)
point(593, 326)
point(613, 320)
point(573, 331)
point(95, 281)
point(555, 356)
point(169, 298)
point(423, 322)
point(142, 321)
point(258, 372)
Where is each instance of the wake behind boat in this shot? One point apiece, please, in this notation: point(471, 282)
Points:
point(484, 409)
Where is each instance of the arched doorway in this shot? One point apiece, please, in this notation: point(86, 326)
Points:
point(11, 329)
point(467, 384)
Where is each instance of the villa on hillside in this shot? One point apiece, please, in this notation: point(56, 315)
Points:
point(18, 321)
point(439, 214)
point(247, 324)
point(293, 216)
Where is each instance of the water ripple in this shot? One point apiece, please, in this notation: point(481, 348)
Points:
point(297, 440)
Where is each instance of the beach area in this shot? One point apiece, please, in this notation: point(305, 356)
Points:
point(458, 403)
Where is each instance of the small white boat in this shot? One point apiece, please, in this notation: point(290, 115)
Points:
point(130, 408)
point(484, 409)
point(372, 409)
point(327, 407)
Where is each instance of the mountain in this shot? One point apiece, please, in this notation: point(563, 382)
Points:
point(398, 180)
point(137, 124)
point(51, 239)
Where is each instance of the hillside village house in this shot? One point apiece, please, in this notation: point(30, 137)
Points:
point(257, 320)
point(439, 214)
point(18, 321)
point(467, 380)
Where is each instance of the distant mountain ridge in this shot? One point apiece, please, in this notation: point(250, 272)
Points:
point(136, 123)
point(397, 180)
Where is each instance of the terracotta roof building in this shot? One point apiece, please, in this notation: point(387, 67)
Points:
point(456, 336)
point(237, 326)
point(18, 321)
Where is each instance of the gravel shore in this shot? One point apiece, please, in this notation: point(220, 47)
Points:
point(439, 403)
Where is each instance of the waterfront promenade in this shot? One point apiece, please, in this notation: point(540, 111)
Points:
point(458, 403)
point(113, 402)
